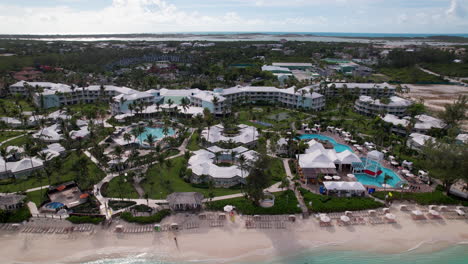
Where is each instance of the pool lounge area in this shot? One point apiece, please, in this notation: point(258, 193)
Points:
point(157, 133)
point(378, 181)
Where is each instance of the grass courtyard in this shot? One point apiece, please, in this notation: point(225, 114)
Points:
point(119, 188)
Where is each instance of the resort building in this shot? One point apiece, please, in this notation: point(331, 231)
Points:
point(396, 106)
point(244, 135)
point(369, 89)
point(290, 97)
point(213, 101)
point(11, 202)
point(206, 166)
point(20, 169)
point(51, 134)
point(26, 88)
point(417, 141)
point(318, 160)
point(423, 123)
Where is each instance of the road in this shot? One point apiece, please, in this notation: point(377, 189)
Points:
point(445, 77)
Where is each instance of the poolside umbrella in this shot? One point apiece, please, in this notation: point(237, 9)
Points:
point(405, 171)
point(434, 213)
point(228, 208)
point(359, 148)
point(356, 145)
point(386, 185)
point(347, 139)
point(390, 217)
point(351, 176)
point(391, 157)
point(344, 218)
point(410, 175)
point(394, 163)
point(459, 212)
point(353, 141)
point(328, 178)
point(336, 178)
point(324, 218)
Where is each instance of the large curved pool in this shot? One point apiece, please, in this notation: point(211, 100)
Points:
point(157, 133)
point(338, 147)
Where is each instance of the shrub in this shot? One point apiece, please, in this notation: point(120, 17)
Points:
point(285, 203)
point(82, 219)
point(142, 208)
point(328, 204)
point(156, 218)
point(16, 216)
point(117, 205)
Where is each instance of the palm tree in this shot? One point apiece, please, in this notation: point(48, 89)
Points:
point(215, 102)
point(242, 160)
point(127, 137)
point(386, 179)
point(185, 104)
point(4, 154)
point(45, 157)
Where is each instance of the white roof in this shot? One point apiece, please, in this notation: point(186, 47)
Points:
point(428, 122)
point(83, 132)
point(246, 134)
point(394, 101)
point(344, 186)
point(347, 157)
point(375, 155)
point(313, 146)
point(133, 96)
point(50, 133)
point(11, 120)
point(286, 64)
point(274, 68)
point(363, 85)
point(24, 164)
point(208, 96)
point(420, 139)
point(393, 119)
point(237, 150)
point(316, 159)
point(282, 141)
point(186, 93)
point(269, 89)
point(463, 138)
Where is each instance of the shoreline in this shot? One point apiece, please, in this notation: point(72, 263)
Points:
point(235, 243)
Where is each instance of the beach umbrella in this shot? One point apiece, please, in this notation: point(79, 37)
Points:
point(386, 210)
point(344, 218)
point(442, 208)
point(328, 178)
point(434, 212)
point(324, 218)
point(336, 178)
point(351, 176)
point(348, 213)
point(371, 212)
point(416, 212)
point(228, 208)
point(390, 216)
point(432, 207)
point(403, 207)
point(460, 212)
point(460, 208)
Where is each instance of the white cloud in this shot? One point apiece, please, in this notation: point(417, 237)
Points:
point(455, 10)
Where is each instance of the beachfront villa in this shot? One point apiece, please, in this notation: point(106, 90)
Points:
point(243, 135)
point(50, 134)
point(417, 141)
point(422, 125)
point(221, 166)
point(10, 202)
point(66, 195)
point(396, 106)
point(20, 169)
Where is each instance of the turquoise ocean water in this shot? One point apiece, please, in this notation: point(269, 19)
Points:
point(453, 255)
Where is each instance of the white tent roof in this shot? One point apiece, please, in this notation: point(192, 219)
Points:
point(313, 146)
point(24, 164)
point(316, 159)
point(344, 186)
point(375, 155)
point(347, 157)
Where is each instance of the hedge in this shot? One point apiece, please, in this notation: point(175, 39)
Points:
point(16, 216)
point(285, 203)
point(117, 205)
point(156, 218)
point(328, 204)
point(85, 219)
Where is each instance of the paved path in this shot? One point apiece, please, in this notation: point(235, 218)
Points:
point(10, 139)
point(439, 75)
point(300, 199)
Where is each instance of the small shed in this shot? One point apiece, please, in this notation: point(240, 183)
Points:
point(185, 201)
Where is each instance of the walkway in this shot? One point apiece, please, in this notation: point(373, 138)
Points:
point(10, 139)
point(439, 75)
point(300, 199)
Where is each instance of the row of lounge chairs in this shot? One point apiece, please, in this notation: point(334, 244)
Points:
point(57, 230)
point(138, 229)
point(264, 225)
point(267, 218)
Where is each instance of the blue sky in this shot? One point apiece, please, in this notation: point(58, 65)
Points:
point(154, 16)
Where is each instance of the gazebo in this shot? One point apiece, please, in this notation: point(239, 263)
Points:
point(185, 201)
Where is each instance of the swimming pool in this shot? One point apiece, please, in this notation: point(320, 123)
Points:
point(54, 205)
point(338, 147)
point(157, 133)
point(379, 180)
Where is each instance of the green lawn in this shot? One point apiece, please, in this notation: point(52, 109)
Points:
point(327, 204)
point(66, 172)
point(16, 142)
point(285, 203)
point(117, 188)
point(9, 104)
point(276, 170)
point(193, 142)
point(4, 135)
point(36, 197)
point(160, 183)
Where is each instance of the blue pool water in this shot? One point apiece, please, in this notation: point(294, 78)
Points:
point(338, 147)
point(54, 205)
point(156, 132)
point(362, 178)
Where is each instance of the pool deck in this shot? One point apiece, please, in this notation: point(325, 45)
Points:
point(414, 184)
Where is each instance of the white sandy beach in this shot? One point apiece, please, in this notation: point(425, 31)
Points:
point(234, 242)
